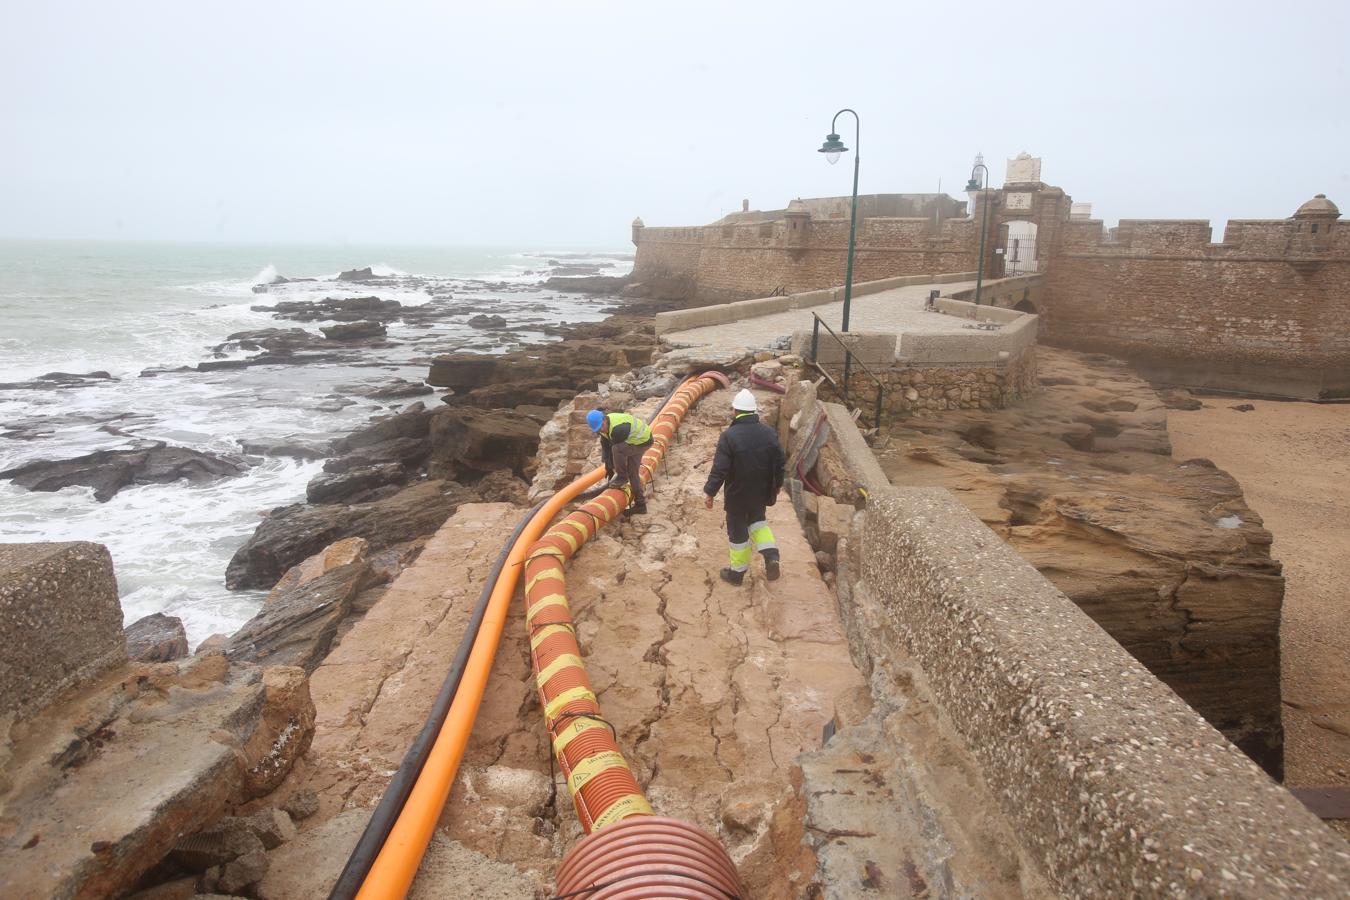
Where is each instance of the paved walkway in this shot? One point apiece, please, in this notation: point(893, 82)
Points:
point(899, 310)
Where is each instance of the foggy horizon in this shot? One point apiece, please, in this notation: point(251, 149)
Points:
point(522, 125)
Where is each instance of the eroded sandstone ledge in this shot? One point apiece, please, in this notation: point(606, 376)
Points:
point(1164, 554)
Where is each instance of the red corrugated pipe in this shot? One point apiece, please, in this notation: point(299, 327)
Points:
point(671, 858)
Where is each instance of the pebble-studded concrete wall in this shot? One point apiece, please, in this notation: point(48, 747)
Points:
point(1115, 786)
point(60, 621)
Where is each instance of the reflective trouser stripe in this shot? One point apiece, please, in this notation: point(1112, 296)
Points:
point(761, 535)
point(740, 556)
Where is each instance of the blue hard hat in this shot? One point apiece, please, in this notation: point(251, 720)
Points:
point(595, 418)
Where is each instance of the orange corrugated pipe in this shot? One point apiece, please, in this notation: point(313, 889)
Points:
point(394, 869)
point(599, 780)
point(612, 798)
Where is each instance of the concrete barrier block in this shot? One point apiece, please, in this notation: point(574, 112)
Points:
point(60, 621)
point(875, 349)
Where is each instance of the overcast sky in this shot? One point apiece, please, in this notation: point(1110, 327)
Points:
point(557, 123)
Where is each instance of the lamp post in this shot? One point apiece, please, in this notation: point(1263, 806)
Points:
point(975, 184)
point(832, 148)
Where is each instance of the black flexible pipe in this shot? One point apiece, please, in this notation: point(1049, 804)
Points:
point(383, 817)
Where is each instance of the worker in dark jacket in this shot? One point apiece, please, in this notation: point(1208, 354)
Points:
point(624, 438)
point(749, 462)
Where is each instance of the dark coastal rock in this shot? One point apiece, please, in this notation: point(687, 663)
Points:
point(290, 534)
point(299, 619)
point(403, 451)
point(338, 309)
point(542, 376)
point(157, 638)
point(268, 359)
point(589, 284)
point(108, 471)
point(41, 426)
point(265, 286)
point(156, 371)
point(343, 487)
point(355, 331)
point(463, 371)
point(271, 340)
point(56, 381)
point(485, 321)
point(414, 421)
point(464, 438)
point(398, 389)
point(287, 448)
point(358, 275)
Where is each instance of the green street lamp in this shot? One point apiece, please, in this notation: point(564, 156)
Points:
point(976, 184)
point(832, 148)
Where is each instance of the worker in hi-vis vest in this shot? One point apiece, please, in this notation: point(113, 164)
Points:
point(623, 440)
point(749, 463)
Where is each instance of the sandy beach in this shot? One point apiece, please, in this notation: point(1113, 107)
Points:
point(1293, 460)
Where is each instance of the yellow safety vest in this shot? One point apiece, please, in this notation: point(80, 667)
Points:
point(640, 433)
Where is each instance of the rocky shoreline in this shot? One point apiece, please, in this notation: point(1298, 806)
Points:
point(386, 488)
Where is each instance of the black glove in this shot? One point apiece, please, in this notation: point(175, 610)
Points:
point(609, 472)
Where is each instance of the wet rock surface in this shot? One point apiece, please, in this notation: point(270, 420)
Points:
point(108, 471)
point(301, 615)
point(56, 381)
point(338, 309)
point(1165, 555)
point(581, 281)
point(354, 484)
point(106, 787)
point(156, 638)
point(356, 331)
point(291, 534)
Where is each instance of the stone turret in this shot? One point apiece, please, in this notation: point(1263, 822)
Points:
point(637, 229)
point(1319, 207)
point(1314, 223)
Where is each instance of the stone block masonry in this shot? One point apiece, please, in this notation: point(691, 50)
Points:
point(926, 390)
point(60, 621)
point(1232, 316)
point(1266, 311)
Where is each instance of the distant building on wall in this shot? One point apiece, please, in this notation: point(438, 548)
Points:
point(1266, 310)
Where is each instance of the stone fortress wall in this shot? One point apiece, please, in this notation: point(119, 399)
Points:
point(738, 260)
point(1266, 311)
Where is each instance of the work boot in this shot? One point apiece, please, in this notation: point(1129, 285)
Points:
point(639, 510)
point(731, 576)
point(771, 568)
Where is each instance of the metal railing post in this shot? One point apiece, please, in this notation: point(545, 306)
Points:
point(848, 358)
point(815, 338)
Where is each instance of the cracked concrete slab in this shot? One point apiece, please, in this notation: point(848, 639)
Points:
point(714, 691)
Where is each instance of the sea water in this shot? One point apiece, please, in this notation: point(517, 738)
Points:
point(123, 308)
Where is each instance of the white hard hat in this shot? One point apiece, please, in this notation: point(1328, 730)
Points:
point(745, 402)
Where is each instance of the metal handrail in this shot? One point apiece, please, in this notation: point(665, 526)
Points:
point(849, 356)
